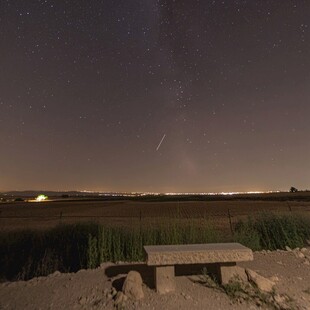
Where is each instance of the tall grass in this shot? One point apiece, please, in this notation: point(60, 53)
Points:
point(118, 244)
point(26, 254)
point(273, 231)
point(68, 248)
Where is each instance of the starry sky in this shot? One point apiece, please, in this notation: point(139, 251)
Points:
point(89, 89)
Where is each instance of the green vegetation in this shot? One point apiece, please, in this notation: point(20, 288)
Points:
point(271, 231)
point(68, 248)
point(236, 289)
point(240, 292)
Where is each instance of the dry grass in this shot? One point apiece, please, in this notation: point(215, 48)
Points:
point(24, 215)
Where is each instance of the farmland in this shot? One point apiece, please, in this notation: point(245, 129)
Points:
point(221, 211)
point(71, 234)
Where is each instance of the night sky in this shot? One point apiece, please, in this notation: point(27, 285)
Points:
point(89, 89)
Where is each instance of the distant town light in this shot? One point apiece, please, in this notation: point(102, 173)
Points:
point(41, 198)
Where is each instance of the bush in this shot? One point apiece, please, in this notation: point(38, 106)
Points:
point(271, 231)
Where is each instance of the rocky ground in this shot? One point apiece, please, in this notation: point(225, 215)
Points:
point(96, 289)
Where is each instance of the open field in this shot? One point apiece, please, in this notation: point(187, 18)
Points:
point(119, 229)
point(222, 211)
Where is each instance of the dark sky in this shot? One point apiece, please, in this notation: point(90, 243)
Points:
point(88, 89)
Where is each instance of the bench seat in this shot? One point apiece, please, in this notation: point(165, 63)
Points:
point(165, 257)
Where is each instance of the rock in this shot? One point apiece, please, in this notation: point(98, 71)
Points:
point(278, 298)
point(82, 300)
point(287, 248)
point(109, 293)
point(120, 299)
point(55, 274)
point(281, 301)
point(262, 283)
point(113, 291)
point(303, 250)
point(299, 254)
point(133, 286)
point(306, 262)
point(187, 297)
point(274, 279)
point(81, 271)
point(234, 273)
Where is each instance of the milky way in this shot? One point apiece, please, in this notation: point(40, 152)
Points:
point(89, 88)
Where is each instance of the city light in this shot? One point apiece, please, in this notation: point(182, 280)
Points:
point(41, 198)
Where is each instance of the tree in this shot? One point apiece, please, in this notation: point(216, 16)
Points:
point(293, 189)
point(19, 199)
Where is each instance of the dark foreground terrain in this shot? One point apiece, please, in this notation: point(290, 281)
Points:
point(87, 289)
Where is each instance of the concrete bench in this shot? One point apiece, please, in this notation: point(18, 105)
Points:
point(223, 255)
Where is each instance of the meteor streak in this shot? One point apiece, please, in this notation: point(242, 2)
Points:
point(161, 141)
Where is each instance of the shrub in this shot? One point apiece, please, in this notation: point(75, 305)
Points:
point(271, 231)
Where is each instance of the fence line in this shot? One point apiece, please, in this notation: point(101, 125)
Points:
point(140, 214)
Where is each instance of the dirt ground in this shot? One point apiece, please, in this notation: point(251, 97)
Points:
point(87, 289)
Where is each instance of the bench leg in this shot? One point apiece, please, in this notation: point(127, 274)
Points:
point(225, 272)
point(164, 279)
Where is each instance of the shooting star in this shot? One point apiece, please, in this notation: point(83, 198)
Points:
point(161, 141)
point(246, 19)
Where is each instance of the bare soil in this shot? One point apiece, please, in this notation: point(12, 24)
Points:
point(87, 289)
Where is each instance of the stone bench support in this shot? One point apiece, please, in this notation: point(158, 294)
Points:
point(164, 279)
point(165, 257)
